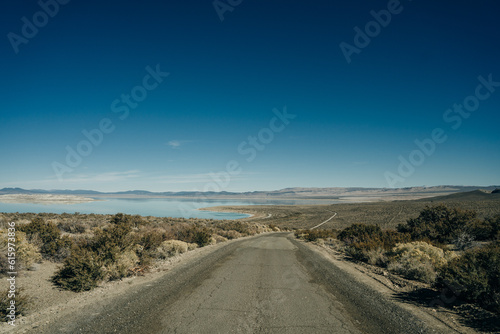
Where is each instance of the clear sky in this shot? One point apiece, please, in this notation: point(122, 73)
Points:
point(156, 95)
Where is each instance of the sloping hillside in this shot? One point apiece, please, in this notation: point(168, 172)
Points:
point(476, 195)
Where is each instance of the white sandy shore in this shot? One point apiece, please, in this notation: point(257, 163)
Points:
point(44, 199)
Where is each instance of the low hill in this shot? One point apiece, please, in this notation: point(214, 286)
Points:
point(476, 195)
point(352, 194)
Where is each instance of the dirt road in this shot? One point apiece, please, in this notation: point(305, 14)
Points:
point(267, 284)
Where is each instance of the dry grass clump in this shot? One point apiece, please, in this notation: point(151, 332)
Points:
point(314, 235)
point(218, 238)
point(475, 276)
point(47, 236)
point(377, 257)
point(418, 260)
point(82, 270)
point(196, 235)
point(122, 265)
point(27, 254)
point(73, 227)
point(439, 223)
point(369, 243)
point(174, 247)
point(22, 304)
point(230, 234)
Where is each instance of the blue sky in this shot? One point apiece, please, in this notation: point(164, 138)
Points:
point(349, 123)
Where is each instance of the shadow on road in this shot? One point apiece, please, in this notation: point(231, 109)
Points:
point(470, 315)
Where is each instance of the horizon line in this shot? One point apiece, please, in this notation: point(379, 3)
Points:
point(249, 191)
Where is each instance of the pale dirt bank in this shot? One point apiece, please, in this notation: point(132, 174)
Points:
point(45, 199)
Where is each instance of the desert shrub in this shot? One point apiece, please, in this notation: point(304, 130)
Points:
point(26, 253)
point(377, 257)
point(240, 227)
point(414, 269)
point(313, 235)
point(152, 239)
point(298, 233)
point(120, 219)
point(476, 276)
point(360, 250)
point(464, 240)
point(487, 229)
point(146, 260)
point(145, 257)
point(173, 247)
point(391, 238)
point(121, 267)
point(72, 227)
point(146, 246)
point(23, 303)
point(274, 228)
point(360, 233)
point(361, 239)
point(109, 254)
point(231, 234)
point(47, 235)
point(417, 260)
point(322, 234)
point(110, 242)
point(219, 238)
point(438, 223)
point(132, 221)
point(82, 270)
point(368, 242)
point(195, 235)
point(64, 248)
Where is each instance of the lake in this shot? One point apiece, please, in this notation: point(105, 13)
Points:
point(159, 207)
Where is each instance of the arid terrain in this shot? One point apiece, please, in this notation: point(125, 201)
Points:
point(345, 194)
point(384, 213)
point(268, 283)
point(232, 279)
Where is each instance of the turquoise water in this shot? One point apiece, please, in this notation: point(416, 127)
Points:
point(144, 207)
point(159, 207)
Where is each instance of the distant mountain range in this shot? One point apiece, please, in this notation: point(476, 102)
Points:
point(287, 193)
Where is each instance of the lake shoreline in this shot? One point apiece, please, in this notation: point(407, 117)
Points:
point(59, 204)
point(45, 199)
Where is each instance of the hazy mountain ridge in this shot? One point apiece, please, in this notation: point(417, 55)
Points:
point(299, 192)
